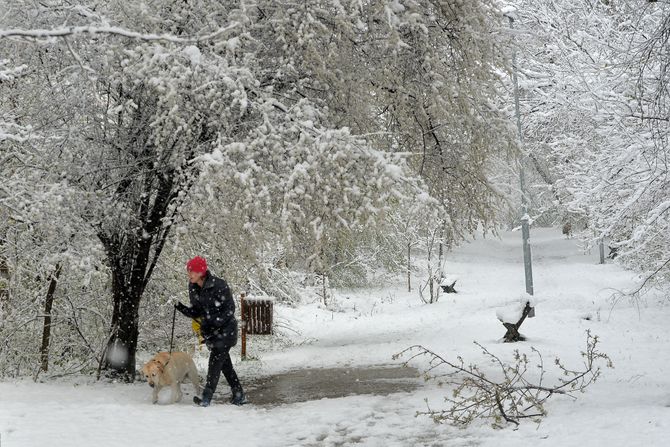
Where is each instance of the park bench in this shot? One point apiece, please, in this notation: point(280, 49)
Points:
point(513, 316)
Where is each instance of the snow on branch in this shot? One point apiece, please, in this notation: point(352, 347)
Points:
point(35, 34)
point(10, 73)
point(13, 132)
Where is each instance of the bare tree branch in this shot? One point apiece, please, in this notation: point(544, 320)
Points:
point(62, 32)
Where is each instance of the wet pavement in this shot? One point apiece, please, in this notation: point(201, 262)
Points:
point(319, 383)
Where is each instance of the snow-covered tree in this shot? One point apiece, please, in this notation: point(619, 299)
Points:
point(415, 77)
point(633, 206)
point(132, 125)
point(277, 130)
point(595, 123)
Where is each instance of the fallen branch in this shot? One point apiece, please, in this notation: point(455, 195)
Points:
point(512, 399)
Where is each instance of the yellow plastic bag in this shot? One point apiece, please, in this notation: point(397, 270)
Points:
point(195, 324)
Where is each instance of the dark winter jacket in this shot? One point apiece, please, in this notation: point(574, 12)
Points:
point(213, 305)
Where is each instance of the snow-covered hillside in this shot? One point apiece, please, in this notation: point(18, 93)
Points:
point(629, 405)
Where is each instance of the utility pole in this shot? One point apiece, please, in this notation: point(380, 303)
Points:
point(525, 219)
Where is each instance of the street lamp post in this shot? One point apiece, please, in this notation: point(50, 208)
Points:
point(525, 219)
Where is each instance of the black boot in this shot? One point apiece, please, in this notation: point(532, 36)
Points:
point(238, 397)
point(203, 401)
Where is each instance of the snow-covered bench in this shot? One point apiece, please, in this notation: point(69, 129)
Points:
point(448, 282)
point(513, 316)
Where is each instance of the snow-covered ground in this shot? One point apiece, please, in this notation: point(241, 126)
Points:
point(629, 405)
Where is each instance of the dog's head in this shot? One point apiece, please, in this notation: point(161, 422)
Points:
point(152, 371)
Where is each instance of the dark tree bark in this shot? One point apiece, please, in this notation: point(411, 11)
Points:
point(48, 304)
point(4, 277)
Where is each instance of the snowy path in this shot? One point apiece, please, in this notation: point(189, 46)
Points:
point(627, 406)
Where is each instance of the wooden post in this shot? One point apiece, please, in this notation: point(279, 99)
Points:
point(269, 321)
point(244, 326)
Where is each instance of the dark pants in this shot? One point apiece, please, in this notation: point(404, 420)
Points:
point(219, 362)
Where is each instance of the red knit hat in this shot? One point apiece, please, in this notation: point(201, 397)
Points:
point(197, 264)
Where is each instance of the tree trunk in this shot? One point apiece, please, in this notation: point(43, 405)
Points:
point(4, 279)
point(127, 291)
point(119, 358)
point(431, 283)
point(409, 267)
point(48, 304)
point(130, 273)
point(440, 254)
point(4, 288)
point(440, 263)
point(325, 290)
point(431, 270)
point(132, 257)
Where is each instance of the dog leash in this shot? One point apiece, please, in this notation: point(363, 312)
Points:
point(174, 317)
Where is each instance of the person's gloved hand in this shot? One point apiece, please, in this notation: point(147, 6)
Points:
point(178, 305)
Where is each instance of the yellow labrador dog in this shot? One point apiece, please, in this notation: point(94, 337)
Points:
point(167, 369)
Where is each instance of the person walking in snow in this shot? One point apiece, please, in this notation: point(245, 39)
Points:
point(213, 306)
